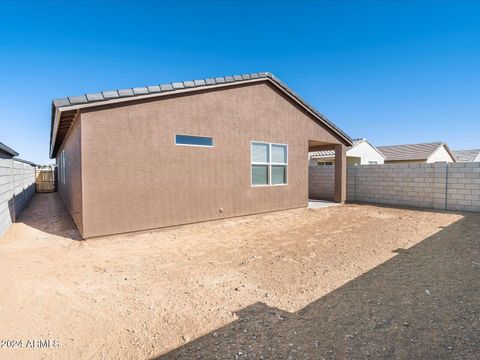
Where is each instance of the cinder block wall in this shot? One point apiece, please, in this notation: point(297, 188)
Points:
point(17, 186)
point(452, 186)
point(321, 182)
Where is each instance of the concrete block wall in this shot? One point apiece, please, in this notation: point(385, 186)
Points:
point(452, 186)
point(463, 187)
point(17, 186)
point(321, 182)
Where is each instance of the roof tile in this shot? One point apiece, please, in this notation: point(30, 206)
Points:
point(110, 94)
point(199, 82)
point(178, 85)
point(166, 87)
point(154, 88)
point(140, 90)
point(125, 92)
point(61, 102)
point(95, 97)
point(78, 99)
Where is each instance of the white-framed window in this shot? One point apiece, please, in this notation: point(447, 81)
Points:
point(373, 162)
point(193, 140)
point(269, 164)
point(324, 163)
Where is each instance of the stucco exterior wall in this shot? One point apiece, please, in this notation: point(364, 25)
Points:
point(366, 153)
point(135, 178)
point(71, 190)
point(440, 155)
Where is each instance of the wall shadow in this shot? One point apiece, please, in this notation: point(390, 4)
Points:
point(47, 212)
point(422, 304)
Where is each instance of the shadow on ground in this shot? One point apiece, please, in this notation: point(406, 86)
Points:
point(422, 304)
point(46, 212)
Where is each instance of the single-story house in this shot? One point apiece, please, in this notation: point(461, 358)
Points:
point(417, 153)
point(360, 153)
point(7, 152)
point(184, 152)
point(467, 155)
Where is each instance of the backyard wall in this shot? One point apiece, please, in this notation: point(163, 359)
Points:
point(321, 182)
point(452, 186)
point(17, 186)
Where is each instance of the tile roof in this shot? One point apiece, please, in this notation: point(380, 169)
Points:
point(410, 151)
point(152, 90)
point(324, 153)
point(467, 155)
point(7, 149)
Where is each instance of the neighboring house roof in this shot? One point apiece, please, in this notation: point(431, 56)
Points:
point(7, 149)
point(70, 105)
point(412, 151)
point(330, 153)
point(467, 155)
point(26, 162)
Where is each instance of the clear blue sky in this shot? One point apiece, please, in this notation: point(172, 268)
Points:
point(393, 72)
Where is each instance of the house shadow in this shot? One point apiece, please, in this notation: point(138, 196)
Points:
point(47, 212)
point(424, 303)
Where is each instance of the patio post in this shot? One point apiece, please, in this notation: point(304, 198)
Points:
point(340, 173)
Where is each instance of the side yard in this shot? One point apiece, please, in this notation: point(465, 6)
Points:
point(342, 282)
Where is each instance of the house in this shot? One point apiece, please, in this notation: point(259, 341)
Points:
point(417, 153)
point(185, 152)
point(6, 152)
point(467, 155)
point(360, 153)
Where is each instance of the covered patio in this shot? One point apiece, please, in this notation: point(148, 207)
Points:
point(340, 170)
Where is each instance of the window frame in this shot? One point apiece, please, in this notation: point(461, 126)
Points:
point(197, 136)
point(268, 164)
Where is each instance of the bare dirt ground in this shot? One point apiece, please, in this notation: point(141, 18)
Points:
point(352, 281)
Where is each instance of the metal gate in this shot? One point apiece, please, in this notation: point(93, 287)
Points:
point(45, 181)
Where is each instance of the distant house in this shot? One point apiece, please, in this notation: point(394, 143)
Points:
point(6, 152)
point(417, 153)
point(467, 155)
point(360, 153)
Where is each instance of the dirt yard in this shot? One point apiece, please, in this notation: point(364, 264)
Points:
point(351, 281)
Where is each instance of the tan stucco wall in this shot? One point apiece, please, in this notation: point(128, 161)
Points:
point(71, 191)
point(135, 178)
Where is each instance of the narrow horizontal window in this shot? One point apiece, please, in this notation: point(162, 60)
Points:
point(193, 140)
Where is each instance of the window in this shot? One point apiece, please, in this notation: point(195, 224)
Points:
point(373, 162)
point(190, 140)
point(324, 163)
point(269, 164)
point(62, 167)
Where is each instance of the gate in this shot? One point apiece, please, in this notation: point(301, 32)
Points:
point(45, 181)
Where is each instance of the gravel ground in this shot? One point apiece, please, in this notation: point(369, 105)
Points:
point(354, 281)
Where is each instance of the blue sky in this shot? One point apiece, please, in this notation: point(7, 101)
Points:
point(393, 72)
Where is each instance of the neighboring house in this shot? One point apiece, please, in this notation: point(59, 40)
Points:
point(417, 153)
point(360, 153)
point(467, 155)
point(6, 152)
point(121, 154)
